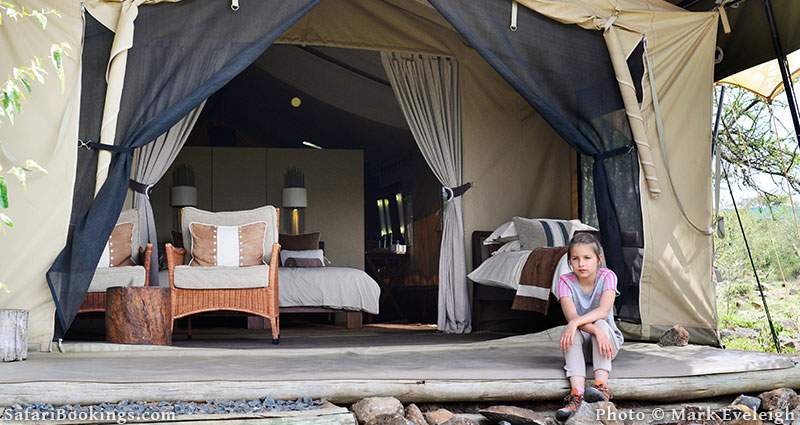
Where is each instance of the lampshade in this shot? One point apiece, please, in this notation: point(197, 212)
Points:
point(183, 196)
point(295, 197)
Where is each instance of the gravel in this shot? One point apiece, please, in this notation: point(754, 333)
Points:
point(209, 407)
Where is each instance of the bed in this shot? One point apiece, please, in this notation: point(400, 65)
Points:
point(328, 289)
point(495, 287)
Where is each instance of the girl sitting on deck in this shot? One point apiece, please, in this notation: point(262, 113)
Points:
point(587, 298)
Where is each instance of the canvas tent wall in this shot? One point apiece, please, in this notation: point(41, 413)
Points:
point(505, 142)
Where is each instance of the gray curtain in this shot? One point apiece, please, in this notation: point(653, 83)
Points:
point(150, 163)
point(427, 89)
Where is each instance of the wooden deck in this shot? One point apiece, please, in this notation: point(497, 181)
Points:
point(414, 364)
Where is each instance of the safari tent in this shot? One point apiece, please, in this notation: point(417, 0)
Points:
point(627, 84)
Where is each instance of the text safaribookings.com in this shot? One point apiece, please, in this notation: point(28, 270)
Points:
point(89, 415)
point(724, 414)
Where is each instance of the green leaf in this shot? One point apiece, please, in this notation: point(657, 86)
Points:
point(3, 192)
point(41, 18)
point(20, 174)
point(31, 165)
point(4, 219)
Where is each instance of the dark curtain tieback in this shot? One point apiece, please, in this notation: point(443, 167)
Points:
point(105, 147)
point(615, 152)
point(142, 188)
point(451, 193)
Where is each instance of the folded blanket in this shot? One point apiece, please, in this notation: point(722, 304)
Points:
point(536, 280)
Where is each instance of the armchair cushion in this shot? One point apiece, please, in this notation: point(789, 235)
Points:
point(267, 214)
point(106, 277)
point(221, 277)
point(241, 246)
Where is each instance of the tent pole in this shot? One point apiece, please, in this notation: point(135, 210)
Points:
point(783, 64)
point(715, 146)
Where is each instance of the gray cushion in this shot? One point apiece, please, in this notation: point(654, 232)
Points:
point(267, 214)
point(106, 277)
point(188, 277)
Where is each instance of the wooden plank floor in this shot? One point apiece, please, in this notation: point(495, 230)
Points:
point(413, 365)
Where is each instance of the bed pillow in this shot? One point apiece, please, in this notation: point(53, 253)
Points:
point(502, 270)
point(543, 232)
point(304, 242)
point(117, 252)
point(241, 246)
point(303, 262)
point(506, 232)
point(315, 254)
point(509, 247)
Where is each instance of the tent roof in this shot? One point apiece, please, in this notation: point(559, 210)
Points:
point(749, 42)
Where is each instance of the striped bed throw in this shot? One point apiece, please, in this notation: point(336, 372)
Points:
point(536, 280)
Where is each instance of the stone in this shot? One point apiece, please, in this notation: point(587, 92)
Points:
point(414, 415)
point(388, 420)
point(594, 413)
point(438, 417)
point(676, 336)
point(739, 414)
point(513, 415)
point(754, 403)
point(779, 399)
point(370, 407)
point(460, 420)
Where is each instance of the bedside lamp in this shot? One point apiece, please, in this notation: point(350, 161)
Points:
point(295, 199)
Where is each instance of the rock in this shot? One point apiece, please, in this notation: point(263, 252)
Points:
point(368, 408)
point(745, 332)
point(589, 413)
point(793, 418)
point(438, 417)
point(513, 415)
point(388, 420)
point(779, 399)
point(675, 336)
point(460, 420)
point(739, 414)
point(754, 403)
point(414, 415)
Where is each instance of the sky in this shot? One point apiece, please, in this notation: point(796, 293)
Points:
point(765, 181)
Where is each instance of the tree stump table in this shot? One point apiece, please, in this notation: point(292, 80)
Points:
point(138, 315)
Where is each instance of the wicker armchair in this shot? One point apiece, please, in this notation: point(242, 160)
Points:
point(251, 290)
point(106, 277)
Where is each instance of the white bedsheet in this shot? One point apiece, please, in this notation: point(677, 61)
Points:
point(334, 287)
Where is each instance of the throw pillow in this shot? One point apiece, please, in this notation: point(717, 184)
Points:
point(535, 233)
point(303, 262)
point(117, 252)
point(241, 246)
point(316, 254)
point(302, 242)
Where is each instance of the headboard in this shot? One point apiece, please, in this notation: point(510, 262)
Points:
point(481, 252)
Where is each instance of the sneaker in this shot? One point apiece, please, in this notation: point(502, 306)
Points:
point(597, 392)
point(573, 401)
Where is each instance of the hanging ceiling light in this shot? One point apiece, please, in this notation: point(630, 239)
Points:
point(311, 145)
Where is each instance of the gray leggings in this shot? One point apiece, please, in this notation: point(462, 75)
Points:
point(584, 344)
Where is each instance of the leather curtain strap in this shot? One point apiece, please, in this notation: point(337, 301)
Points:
point(110, 148)
point(451, 193)
point(142, 188)
point(615, 152)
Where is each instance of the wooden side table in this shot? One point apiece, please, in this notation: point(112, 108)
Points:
point(138, 315)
